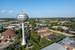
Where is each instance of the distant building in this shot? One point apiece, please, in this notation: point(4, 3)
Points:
point(13, 26)
point(10, 27)
point(43, 32)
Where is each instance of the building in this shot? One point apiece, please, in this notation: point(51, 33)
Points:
point(9, 33)
point(54, 46)
point(43, 32)
point(68, 43)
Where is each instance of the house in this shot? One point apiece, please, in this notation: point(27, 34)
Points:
point(9, 33)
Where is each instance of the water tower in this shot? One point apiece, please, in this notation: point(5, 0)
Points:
point(22, 17)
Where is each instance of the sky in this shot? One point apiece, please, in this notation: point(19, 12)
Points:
point(37, 8)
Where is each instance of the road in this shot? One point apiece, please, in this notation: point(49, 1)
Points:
point(66, 34)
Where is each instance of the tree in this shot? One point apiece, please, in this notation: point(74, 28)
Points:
point(1, 28)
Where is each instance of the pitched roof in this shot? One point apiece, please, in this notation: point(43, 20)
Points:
point(9, 32)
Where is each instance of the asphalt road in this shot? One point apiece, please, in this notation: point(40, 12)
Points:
point(66, 34)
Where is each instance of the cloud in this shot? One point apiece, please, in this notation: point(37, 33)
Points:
point(6, 11)
point(10, 11)
point(3, 11)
